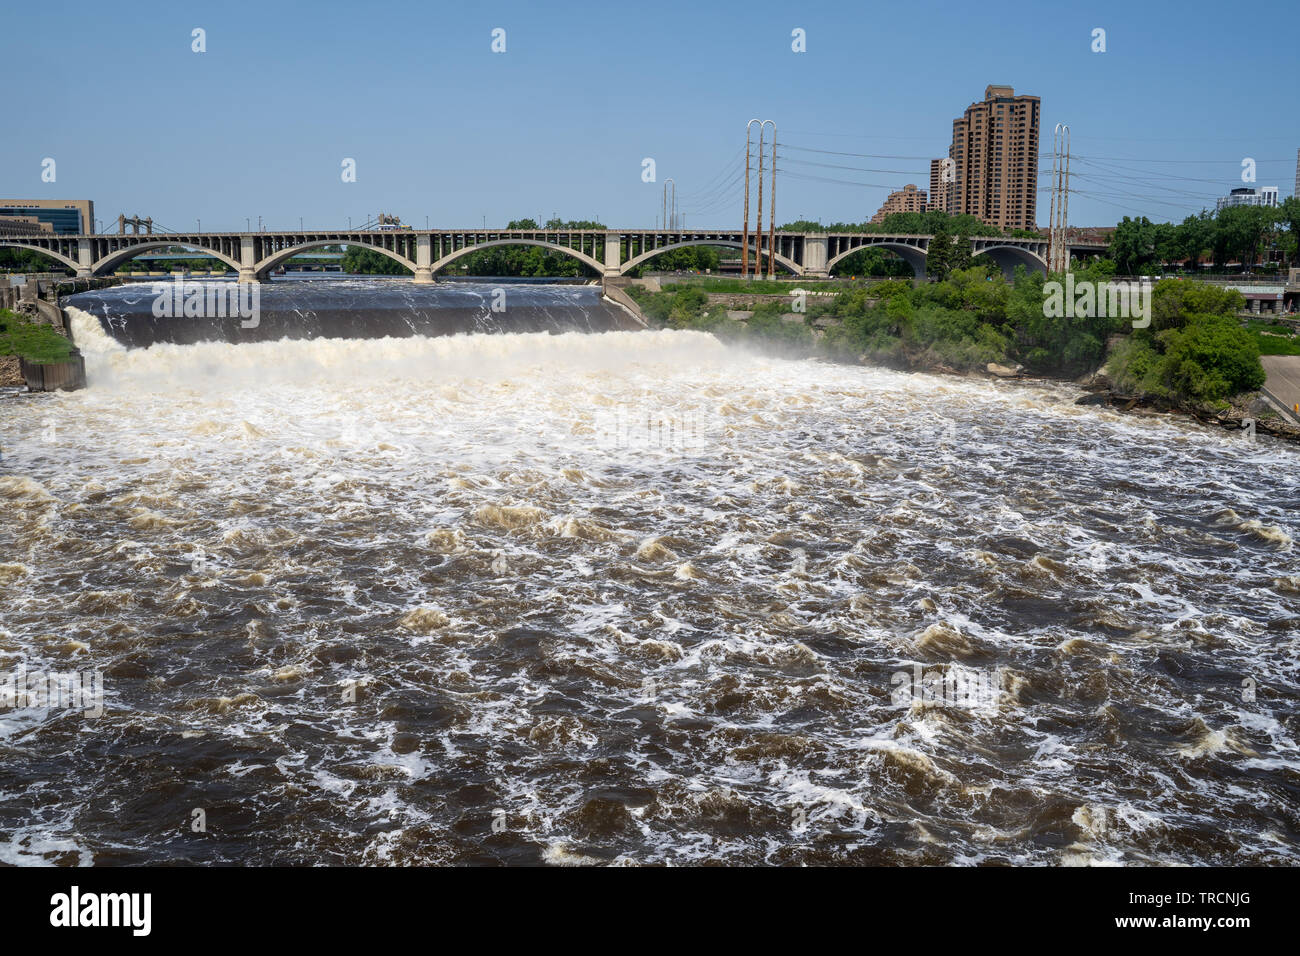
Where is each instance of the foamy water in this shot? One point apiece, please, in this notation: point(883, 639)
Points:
point(635, 597)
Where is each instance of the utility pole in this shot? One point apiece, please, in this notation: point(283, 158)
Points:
point(771, 223)
point(744, 242)
point(758, 231)
point(1058, 250)
point(759, 222)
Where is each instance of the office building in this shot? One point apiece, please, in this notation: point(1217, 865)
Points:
point(67, 217)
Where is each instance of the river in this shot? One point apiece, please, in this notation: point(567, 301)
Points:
point(634, 597)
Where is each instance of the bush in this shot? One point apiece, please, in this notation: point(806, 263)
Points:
point(1210, 358)
point(1173, 300)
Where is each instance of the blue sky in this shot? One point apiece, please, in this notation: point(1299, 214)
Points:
point(440, 126)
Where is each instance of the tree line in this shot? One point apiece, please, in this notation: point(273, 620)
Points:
point(1244, 234)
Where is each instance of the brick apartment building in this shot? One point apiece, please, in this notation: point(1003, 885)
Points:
point(907, 199)
point(994, 155)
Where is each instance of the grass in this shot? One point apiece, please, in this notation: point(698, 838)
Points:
point(1273, 338)
point(32, 341)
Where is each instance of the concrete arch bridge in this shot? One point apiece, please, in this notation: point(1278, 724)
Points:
point(610, 253)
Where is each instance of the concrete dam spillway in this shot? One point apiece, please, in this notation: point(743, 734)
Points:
point(139, 315)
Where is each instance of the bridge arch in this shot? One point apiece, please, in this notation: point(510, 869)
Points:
point(1008, 257)
point(625, 267)
point(10, 244)
point(914, 256)
point(453, 256)
point(114, 259)
point(275, 259)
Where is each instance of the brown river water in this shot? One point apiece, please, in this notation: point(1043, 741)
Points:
point(635, 598)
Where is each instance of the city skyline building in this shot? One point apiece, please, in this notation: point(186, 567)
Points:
point(907, 199)
point(994, 153)
point(67, 217)
point(1248, 196)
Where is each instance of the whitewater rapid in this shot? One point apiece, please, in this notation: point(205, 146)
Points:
point(635, 597)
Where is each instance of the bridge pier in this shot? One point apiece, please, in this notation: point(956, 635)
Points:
point(85, 259)
point(815, 256)
point(247, 260)
point(613, 251)
point(423, 260)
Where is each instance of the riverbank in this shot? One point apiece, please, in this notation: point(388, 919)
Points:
point(1186, 353)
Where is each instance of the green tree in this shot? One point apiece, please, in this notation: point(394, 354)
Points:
point(1288, 215)
point(1133, 245)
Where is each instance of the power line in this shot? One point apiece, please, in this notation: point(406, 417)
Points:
point(859, 169)
point(831, 152)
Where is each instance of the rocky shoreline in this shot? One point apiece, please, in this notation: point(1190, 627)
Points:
point(11, 375)
point(1243, 408)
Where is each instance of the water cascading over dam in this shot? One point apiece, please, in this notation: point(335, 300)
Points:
point(142, 314)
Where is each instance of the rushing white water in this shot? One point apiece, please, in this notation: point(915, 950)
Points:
point(638, 597)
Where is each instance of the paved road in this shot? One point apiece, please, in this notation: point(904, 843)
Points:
point(1283, 380)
